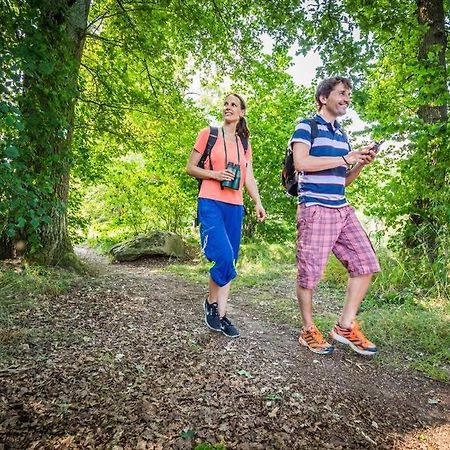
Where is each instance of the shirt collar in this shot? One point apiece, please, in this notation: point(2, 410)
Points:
point(319, 119)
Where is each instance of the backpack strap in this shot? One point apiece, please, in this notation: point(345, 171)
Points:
point(314, 129)
point(212, 138)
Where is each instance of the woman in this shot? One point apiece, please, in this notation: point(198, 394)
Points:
point(220, 205)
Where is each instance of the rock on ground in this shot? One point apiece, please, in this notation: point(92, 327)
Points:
point(151, 244)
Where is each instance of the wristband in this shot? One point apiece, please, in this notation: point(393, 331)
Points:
point(346, 162)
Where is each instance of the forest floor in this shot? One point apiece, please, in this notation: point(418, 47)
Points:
point(124, 361)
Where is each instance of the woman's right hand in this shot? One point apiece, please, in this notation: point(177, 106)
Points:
point(223, 175)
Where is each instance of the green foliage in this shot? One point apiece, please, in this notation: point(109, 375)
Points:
point(145, 112)
point(137, 63)
point(219, 446)
point(38, 88)
point(135, 199)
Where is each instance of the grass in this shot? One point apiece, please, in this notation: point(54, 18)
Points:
point(220, 446)
point(20, 287)
point(418, 338)
point(409, 321)
point(257, 265)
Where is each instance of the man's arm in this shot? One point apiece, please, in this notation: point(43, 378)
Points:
point(303, 161)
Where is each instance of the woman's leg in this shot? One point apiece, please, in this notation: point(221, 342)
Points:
point(233, 219)
point(219, 294)
point(217, 248)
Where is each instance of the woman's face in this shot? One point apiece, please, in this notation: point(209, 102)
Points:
point(232, 111)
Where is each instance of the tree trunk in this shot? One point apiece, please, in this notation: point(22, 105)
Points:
point(424, 228)
point(6, 247)
point(62, 26)
point(431, 14)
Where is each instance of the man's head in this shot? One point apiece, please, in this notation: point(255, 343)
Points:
point(333, 96)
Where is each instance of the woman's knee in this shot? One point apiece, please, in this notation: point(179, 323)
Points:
point(224, 270)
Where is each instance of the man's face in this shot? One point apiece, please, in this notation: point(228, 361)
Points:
point(338, 101)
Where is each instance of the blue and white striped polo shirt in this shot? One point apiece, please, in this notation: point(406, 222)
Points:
point(324, 187)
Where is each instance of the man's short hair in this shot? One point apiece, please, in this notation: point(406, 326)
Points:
point(326, 86)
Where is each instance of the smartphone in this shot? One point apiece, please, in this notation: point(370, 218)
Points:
point(376, 147)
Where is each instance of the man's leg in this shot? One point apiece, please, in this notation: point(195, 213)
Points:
point(356, 290)
point(310, 336)
point(354, 250)
point(304, 297)
point(317, 231)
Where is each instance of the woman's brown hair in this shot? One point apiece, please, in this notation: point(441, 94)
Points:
point(241, 128)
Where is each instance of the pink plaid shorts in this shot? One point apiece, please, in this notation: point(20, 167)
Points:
point(321, 230)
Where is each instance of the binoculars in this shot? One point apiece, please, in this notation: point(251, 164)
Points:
point(235, 182)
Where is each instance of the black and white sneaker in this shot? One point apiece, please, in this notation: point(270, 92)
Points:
point(227, 328)
point(212, 318)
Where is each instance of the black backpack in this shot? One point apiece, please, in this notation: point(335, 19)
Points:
point(212, 138)
point(289, 176)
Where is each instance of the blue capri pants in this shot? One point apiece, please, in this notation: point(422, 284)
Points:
point(220, 236)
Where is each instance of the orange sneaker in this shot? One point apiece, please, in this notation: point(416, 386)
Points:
point(355, 338)
point(313, 339)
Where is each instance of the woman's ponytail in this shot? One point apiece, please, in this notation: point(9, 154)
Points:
point(241, 127)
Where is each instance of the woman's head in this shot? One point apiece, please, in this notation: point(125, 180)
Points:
point(233, 111)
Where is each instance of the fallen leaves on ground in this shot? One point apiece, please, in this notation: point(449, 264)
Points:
point(124, 361)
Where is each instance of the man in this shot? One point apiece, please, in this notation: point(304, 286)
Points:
point(326, 222)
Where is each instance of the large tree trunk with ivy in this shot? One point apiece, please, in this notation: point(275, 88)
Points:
point(431, 14)
point(425, 227)
point(71, 16)
point(46, 100)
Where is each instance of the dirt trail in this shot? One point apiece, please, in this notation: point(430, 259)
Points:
point(124, 361)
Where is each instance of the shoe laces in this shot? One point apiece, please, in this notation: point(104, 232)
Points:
point(317, 335)
point(358, 334)
point(225, 319)
point(214, 309)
